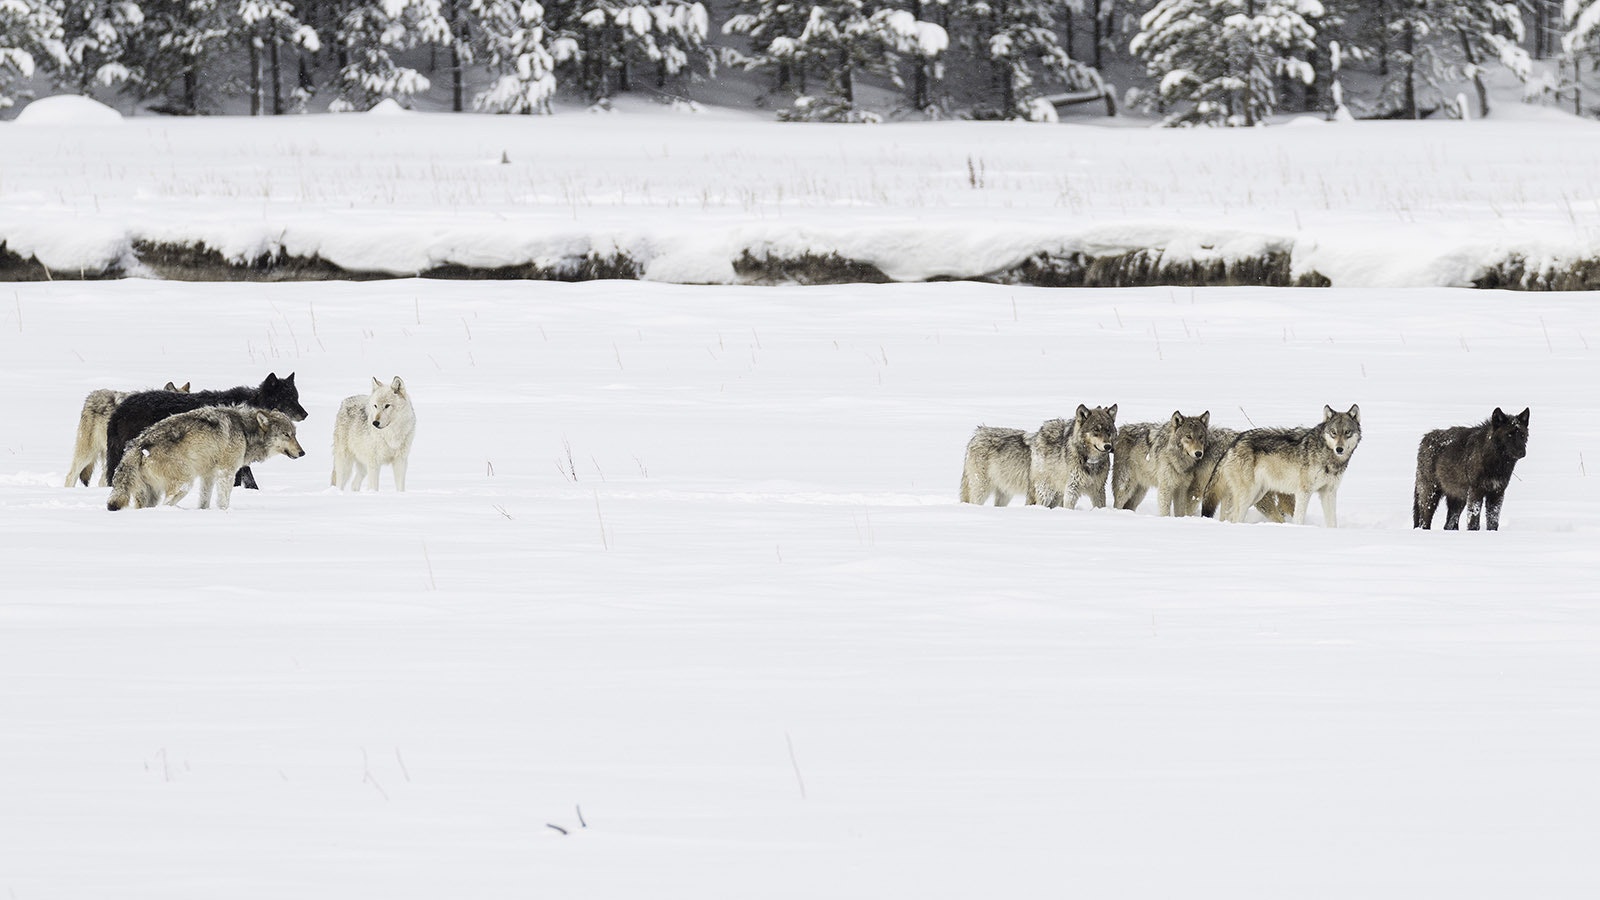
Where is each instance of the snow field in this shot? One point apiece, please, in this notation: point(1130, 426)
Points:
point(757, 640)
point(1375, 204)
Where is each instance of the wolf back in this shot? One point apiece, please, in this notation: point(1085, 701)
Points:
point(141, 410)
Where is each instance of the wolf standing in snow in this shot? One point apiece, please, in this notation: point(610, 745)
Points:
point(1470, 467)
point(1298, 461)
point(1163, 456)
point(89, 448)
point(140, 411)
point(208, 445)
point(997, 463)
point(372, 431)
point(1073, 460)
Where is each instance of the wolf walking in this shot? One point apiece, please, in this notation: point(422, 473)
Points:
point(372, 431)
point(141, 410)
point(208, 445)
point(89, 447)
point(1298, 461)
point(1470, 467)
point(1053, 466)
point(1163, 456)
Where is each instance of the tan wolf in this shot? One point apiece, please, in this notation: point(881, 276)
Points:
point(1163, 456)
point(372, 431)
point(209, 445)
point(89, 448)
point(1298, 461)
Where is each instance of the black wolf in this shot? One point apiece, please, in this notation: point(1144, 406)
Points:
point(1470, 466)
point(146, 408)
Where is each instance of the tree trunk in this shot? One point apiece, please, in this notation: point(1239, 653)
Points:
point(1098, 36)
point(919, 75)
point(455, 76)
point(847, 81)
point(275, 62)
point(191, 90)
point(256, 90)
point(1410, 47)
point(1008, 91)
point(1477, 75)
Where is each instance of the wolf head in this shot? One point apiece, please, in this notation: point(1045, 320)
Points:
point(1189, 433)
point(1341, 431)
point(281, 394)
point(1509, 434)
point(280, 433)
point(387, 403)
point(1098, 426)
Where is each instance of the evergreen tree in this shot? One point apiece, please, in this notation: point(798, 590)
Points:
point(602, 44)
point(518, 53)
point(267, 26)
point(774, 28)
point(31, 33)
point(99, 35)
point(368, 35)
point(1016, 40)
point(177, 39)
point(1424, 45)
point(1220, 61)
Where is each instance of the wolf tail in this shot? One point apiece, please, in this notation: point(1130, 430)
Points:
point(128, 480)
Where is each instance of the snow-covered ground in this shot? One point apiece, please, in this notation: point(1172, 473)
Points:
point(1382, 204)
point(689, 559)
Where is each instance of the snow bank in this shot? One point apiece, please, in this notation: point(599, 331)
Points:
point(1360, 204)
point(68, 109)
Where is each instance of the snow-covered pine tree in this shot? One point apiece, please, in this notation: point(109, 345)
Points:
point(1017, 42)
point(99, 35)
point(267, 26)
point(602, 45)
point(1424, 45)
point(368, 35)
point(176, 41)
point(1219, 61)
point(774, 28)
point(31, 35)
point(519, 55)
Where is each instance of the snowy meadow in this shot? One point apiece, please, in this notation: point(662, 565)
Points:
point(680, 601)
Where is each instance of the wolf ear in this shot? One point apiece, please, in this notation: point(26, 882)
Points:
point(262, 420)
point(1205, 419)
point(290, 379)
point(1327, 412)
point(271, 379)
point(1498, 417)
point(185, 388)
point(376, 384)
point(1524, 415)
point(1112, 409)
point(398, 386)
point(1177, 417)
point(1355, 412)
point(1083, 411)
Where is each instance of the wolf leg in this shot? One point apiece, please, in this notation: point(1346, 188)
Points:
point(1474, 509)
point(399, 466)
point(1491, 512)
point(372, 476)
point(1330, 510)
point(1424, 504)
point(1302, 499)
point(208, 484)
point(1452, 512)
point(1001, 498)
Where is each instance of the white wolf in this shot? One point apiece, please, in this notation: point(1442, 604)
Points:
point(371, 432)
point(90, 446)
point(210, 445)
point(1298, 461)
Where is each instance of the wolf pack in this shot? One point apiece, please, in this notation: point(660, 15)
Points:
point(154, 447)
point(1219, 472)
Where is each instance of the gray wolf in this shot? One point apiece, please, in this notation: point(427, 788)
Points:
point(1277, 507)
point(1162, 456)
point(1068, 461)
point(997, 463)
point(89, 448)
point(140, 411)
point(1298, 461)
point(208, 445)
point(1470, 467)
point(372, 431)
